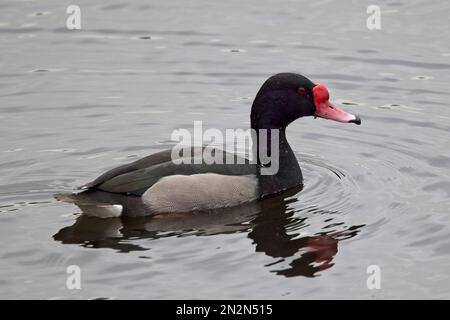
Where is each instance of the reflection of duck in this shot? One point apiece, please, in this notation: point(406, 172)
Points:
point(165, 186)
point(266, 223)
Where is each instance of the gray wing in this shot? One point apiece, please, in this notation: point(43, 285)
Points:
point(153, 159)
point(135, 178)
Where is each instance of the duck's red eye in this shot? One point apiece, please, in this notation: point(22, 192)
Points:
point(301, 90)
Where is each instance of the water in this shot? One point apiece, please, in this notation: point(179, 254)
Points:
point(75, 103)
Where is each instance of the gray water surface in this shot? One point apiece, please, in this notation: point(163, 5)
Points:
point(75, 103)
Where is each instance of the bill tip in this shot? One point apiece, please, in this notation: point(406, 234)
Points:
point(357, 120)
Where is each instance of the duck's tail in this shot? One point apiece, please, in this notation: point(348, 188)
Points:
point(102, 204)
point(93, 203)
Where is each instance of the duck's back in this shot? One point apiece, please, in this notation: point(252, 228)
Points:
point(137, 177)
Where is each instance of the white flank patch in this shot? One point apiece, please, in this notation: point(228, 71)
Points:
point(102, 211)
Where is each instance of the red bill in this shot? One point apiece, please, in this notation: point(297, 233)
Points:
point(325, 109)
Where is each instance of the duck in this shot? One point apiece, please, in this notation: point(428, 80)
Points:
point(156, 185)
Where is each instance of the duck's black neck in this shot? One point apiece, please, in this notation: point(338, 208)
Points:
point(288, 173)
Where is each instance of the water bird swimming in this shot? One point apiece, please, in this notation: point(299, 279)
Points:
point(157, 185)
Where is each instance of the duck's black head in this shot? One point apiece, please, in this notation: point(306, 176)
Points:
point(286, 97)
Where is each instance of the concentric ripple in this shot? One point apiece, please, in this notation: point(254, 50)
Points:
point(326, 186)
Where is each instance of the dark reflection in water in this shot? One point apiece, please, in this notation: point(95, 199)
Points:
point(269, 223)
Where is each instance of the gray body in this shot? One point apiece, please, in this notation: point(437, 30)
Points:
point(155, 185)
